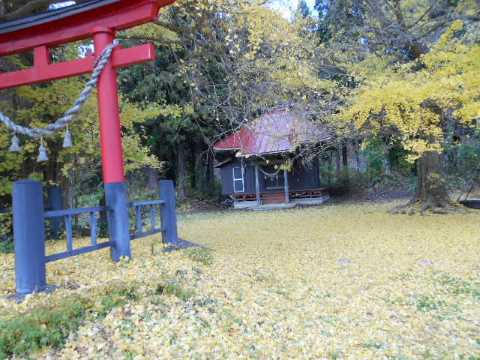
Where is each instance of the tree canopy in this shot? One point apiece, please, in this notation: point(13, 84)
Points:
point(397, 72)
point(419, 98)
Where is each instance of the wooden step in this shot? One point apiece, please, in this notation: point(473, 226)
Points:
point(273, 198)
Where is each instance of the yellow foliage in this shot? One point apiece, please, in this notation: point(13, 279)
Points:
point(344, 280)
point(277, 46)
point(409, 98)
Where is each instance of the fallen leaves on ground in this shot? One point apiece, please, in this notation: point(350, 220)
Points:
point(341, 281)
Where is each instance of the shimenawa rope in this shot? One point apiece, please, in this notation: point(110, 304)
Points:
point(68, 116)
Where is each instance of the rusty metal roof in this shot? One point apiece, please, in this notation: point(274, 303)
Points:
point(275, 132)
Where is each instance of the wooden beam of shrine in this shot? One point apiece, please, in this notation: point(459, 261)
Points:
point(42, 71)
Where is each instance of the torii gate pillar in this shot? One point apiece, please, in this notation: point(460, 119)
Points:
point(116, 192)
point(100, 19)
point(109, 111)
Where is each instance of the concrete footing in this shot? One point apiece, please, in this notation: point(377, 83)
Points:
point(252, 205)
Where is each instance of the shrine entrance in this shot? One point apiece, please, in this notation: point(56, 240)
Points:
point(98, 20)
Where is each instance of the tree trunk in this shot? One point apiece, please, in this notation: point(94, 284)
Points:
point(356, 146)
point(345, 155)
point(431, 193)
point(386, 161)
point(210, 176)
point(338, 164)
point(199, 168)
point(431, 187)
point(181, 173)
point(152, 183)
point(330, 168)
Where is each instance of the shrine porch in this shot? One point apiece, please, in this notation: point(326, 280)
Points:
point(280, 200)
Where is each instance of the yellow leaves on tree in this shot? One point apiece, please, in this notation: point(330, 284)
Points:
point(414, 98)
point(278, 46)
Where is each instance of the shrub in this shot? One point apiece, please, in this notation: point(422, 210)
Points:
point(6, 230)
point(6, 247)
point(45, 327)
point(51, 326)
point(463, 162)
point(6, 233)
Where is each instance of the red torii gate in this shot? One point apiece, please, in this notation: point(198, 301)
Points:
point(100, 20)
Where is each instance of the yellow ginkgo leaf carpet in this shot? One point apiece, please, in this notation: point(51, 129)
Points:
point(339, 281)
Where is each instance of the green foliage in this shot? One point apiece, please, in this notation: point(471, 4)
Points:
point(426, 303)
point(214, 192)
point(458, 286)
point(174, 289)
point(327, 173)
point(7, 247)
point(116, 298)
point(6, 230)
point(463, 166)
point(48, 327)
point(9, 163)
point(201, 255)
point(51, 326)
point(379, 155)
point(374, 152)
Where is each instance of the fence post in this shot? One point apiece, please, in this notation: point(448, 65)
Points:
point(29, 236)
point(168, 213)
point(55, 202)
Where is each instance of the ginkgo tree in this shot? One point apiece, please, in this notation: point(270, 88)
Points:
point(420, 102)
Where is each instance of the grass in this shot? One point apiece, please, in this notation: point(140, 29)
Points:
point(50, 326)
point(43, 327)
point(174, 289)
point(201, 255)
point(342, 281)
point(458, 286)
point(427, 303)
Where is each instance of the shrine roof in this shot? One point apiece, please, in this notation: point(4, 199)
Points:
point(275, 132)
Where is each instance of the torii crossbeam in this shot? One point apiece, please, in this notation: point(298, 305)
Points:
point(100, 20)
